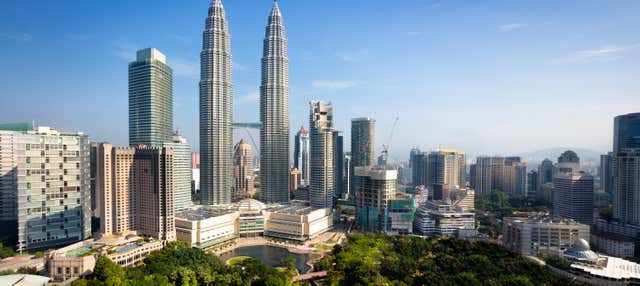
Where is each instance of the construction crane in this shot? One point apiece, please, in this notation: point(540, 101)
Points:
point(385, 147)
point(246, 126)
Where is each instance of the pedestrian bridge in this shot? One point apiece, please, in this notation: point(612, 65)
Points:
point(309, 276)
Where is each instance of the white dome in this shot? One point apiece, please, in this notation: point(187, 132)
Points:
point(582, 245)
point(250, 205)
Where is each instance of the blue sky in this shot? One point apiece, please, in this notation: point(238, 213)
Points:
point(487, 77)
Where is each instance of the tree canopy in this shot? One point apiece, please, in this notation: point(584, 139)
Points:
point(180, 265)
point(367, 259)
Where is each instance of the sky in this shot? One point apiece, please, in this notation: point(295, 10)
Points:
point(485, 77)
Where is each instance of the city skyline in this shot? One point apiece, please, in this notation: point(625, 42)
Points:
point(453, 43)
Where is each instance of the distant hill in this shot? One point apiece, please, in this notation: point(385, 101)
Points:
point(587, 156)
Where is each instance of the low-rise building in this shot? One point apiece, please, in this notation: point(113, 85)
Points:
point(613, 244)
point(202, 228)
point(210, 226)
point(400, 215)
point(79, 259)
point(297, 222)
point(536, 234)
point(592, 268)
point(441, 218)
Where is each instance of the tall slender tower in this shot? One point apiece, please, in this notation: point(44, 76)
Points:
point(150, 99)
point(216, 109)
point(301, 155)
point(321, 189)
point(274, 112)
point(362, 144)
point(242, 171)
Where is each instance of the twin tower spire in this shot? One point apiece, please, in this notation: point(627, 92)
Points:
point(216, 110)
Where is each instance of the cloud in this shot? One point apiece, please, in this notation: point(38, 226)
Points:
point(238, 67)
point(78, 37)
point(353, 56)
point(184, 67)
point(334, 84)
point(179, 39)
point(512, 27)
point(414, 33)
point(125, 51)
point(604, 54)
point(251, 97)
point(19, 38)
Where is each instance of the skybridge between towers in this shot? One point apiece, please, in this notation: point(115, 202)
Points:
point(248, 125)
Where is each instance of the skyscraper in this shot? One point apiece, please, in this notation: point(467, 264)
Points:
point(606, 172)
point(242, 171)
point(545, 172)
point(483, 175)
point(153, 188)
point(274, 112)
point(532, 183)
point(568, 163)
point(446, 167)
point(45, 186)
point(150, 99)
point(301, 155)
point(181, 171)
point(573, 197)
point(216, 109)
point(626, 196)
point(418, 162)
point(506, 173)
point(362, 143)
point(135, 185)
point(472, 176)
point(115, 188)
point(626, 132)
point(346, 175)
point(376, 187)
point(338, 163)
point(321, 189)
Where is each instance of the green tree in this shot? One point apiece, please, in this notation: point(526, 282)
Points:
point(106, 270)
point(6, 251)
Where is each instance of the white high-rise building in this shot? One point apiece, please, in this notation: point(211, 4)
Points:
point(216, 109)
point(626, 204)
point(181, 172)
point(321, 189)
point(45, 186)
point(274, 112)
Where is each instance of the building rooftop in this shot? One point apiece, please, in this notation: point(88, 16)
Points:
point(24, 280)
point(545, 220)
point(295, 210)
point(151, 54)
point(362, 119)
point(202, 213)
point(615, 268)
point(21, 126)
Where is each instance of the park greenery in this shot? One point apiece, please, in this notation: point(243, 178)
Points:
point(6, 251)
point(557, 261)
point(368, 259)
point(492, 207)
point(178, 264)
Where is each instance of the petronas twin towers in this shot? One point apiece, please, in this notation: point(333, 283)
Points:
point(216, 110)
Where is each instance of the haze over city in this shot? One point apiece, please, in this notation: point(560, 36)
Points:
point(488, 78)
